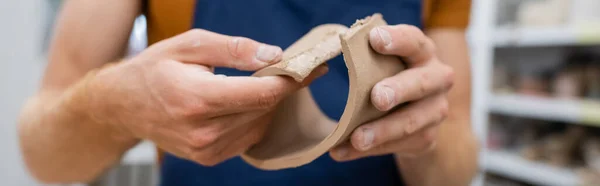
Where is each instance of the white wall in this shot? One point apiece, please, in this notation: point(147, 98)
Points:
point(20, 70)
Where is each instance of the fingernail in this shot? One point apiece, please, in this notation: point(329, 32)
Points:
point(385, 97)
point(268, 53)
point(367, 138)
point(383, 35)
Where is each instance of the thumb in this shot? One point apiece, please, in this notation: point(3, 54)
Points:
point(212, 49)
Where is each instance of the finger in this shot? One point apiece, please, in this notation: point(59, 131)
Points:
point(406, 41)
point(250, 137)
point(412, 146)
point(212, 49)
point(232, 120)
point(411, 84)
point(205, 132)
point(241, 93)
point(172, 140)
point(233, 143)
point(403, 122)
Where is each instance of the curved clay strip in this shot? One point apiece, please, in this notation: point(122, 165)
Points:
point(300, 132)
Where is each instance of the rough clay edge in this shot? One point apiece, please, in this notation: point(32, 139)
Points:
point(276, 69)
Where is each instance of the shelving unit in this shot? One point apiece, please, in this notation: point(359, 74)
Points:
point(485, 37)
point(573, 111)
point(547, 36)
point(512, 165)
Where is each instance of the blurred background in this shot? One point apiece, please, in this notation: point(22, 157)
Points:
point(536, 85)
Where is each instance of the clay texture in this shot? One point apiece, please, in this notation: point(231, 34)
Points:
point(300, 132)
point(316, 47)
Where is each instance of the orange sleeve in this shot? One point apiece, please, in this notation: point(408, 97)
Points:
point(166, 19)
point(446, 13)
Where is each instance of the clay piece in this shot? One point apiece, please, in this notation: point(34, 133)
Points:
point(300, 132)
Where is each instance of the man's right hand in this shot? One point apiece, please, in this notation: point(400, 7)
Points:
point(168, 94)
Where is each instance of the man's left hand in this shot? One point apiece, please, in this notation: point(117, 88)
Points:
point(416, 96)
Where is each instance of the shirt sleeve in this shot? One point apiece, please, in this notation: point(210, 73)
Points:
point(446, 13)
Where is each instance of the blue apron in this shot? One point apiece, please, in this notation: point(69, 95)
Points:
point(281, 22)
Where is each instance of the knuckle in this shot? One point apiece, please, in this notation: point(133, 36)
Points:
point(268, 99)
point(394, 129)
point(401, 90)
point(414, 32)
point(411, 123)
point(406, 44)
point(236, 46)
point(202, 138)
point(429, 45)
point(381, 134)
point(191, 42)
point(448, 75)
point(444, 109)
point(417, 43)
point(423, 83)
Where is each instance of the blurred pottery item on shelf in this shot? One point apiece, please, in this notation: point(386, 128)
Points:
point(560, 148)
point(591, 153)
point(543, 13)
point(530, 132)
point(589, 177)
point(533, 86)
point(533, 152)
point(555, 151)
point(592, 80)
point(498, 135)
point(495, 139)
point(568, 83)
point(531, 148)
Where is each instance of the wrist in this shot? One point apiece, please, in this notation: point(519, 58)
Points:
point(91, 99)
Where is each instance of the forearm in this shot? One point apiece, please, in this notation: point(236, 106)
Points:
point(454, 159)
point(59, 139)
point(62, 142)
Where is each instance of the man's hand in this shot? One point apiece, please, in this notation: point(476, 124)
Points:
point(416, 95)
point(169, 95)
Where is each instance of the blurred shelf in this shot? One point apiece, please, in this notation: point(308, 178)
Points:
point(513, 166)
point(547, 36)
point(572, 111)
point(143, 153)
